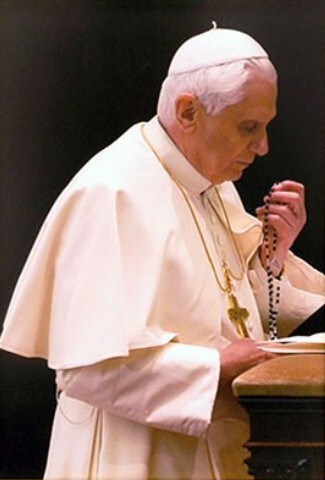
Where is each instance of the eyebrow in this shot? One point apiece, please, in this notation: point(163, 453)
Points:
point(259, 120)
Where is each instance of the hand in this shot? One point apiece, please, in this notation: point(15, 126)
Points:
point(235, 359)
point(238, 357)
point(287, 216)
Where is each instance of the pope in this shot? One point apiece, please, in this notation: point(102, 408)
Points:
point(149, 286)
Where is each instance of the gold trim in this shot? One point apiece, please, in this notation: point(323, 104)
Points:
point(233, 239)
point(236, 314)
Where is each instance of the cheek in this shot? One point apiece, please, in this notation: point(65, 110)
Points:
point(236, 146)
point(229, 149)
point(220, 145)
point(220, 150)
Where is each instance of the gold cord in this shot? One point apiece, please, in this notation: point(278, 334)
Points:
point(227, 288)
point(232, 236)
point(236, 313)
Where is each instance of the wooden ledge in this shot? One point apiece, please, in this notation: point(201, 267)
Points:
point(286, 375)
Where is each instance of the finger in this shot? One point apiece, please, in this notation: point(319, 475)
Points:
point(267, 355)
point(284, 196)
point(280, 211)
point(290, 199)
point(282, 226)
point(285, 223)
point(285, 212)
point(261, 357)
point(273, 223)
point(260, 212)
point(291, 186)
point(285, 232)
point(291, 214)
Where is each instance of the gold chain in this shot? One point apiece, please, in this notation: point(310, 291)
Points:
point(232, 236)
point(227, 288)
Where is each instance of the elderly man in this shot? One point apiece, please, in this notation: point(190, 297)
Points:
point(148, 273)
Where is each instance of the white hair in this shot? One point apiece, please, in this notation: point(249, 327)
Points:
point(215, 87)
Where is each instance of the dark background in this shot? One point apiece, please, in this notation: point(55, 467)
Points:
point(76, 74)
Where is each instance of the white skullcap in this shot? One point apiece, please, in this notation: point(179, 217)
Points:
point(217, 46)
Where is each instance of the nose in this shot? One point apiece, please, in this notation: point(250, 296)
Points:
point(260, 146)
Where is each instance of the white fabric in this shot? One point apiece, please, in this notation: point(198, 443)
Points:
point(177, 384)
point(295, 304)
point(88, 292)
point(217, 46)
point(118, 267)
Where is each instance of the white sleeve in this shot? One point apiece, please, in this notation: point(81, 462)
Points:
point(171, 387)
point(302, 292)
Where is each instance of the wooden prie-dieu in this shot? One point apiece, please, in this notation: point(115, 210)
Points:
point(284, 398)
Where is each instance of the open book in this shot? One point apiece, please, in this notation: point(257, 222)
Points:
point(299, 344)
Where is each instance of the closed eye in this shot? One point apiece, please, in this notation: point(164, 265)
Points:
point(249, 126)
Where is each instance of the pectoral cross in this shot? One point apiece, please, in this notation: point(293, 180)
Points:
point(236, 314)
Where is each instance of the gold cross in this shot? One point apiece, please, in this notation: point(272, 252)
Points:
point(238, 315)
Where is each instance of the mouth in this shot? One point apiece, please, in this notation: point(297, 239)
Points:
point(244, 164)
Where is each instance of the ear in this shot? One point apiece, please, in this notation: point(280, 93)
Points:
point(186, 110)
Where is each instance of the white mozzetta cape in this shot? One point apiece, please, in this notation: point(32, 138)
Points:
point(119, 266)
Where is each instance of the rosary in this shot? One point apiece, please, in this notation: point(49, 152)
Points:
point(271, 264)
point(235, 312)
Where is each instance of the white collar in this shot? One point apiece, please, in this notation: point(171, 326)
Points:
point(193, 181)
point(173, 159)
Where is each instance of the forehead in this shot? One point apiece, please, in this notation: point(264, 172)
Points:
point(258, 103)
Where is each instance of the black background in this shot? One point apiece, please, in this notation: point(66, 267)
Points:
point(74, 76)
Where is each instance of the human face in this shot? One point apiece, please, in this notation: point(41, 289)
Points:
point(224, 145)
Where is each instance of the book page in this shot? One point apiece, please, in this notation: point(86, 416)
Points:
point(298, 344)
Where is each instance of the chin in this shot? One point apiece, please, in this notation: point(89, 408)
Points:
point(238, 176)
point(227, 176)
point(233, 177)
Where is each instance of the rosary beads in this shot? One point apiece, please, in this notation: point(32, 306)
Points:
point(271, 264)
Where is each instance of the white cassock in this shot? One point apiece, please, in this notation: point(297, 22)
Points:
point(119, 296)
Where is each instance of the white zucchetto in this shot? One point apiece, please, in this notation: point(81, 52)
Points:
point(217, 46)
